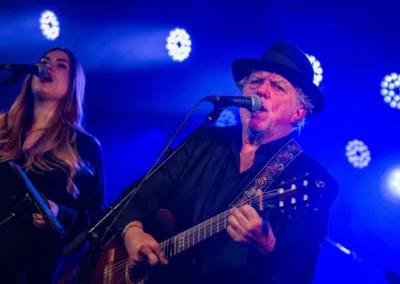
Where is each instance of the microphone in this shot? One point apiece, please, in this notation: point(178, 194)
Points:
point(39, 70)
point(252, 102)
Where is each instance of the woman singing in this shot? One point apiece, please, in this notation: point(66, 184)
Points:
point(42, 133)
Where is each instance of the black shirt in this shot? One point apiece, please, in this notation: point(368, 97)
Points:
point(74, 214)
point(201, 181)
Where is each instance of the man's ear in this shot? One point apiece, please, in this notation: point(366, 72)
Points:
point(298, 114)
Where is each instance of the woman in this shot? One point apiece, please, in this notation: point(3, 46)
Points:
point(42, 133)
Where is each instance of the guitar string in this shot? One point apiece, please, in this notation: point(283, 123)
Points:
point(264, 195)
point(251, 201)
point(213, 230)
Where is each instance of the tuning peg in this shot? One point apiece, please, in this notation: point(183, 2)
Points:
point(305, 197)
point(305, 183)
point(281, 204)
point(281, 190)
point(293, 200)
point(293, 187)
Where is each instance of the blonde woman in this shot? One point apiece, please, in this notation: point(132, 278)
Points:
point(42, 132)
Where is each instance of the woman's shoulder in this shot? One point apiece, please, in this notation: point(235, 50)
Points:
point(87, 144)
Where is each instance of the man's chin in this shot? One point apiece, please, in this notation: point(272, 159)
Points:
point(255, 129)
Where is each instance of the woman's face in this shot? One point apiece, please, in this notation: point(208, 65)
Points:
point(54, 86)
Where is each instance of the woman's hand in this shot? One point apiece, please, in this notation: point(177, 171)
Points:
point(38, 219)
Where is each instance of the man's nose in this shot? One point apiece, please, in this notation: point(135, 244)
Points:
point(264, 91)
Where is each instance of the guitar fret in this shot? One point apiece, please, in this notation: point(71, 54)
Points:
point(175, 246)
point(216, 224)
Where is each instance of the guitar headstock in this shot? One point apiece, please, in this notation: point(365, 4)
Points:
point(296, 194)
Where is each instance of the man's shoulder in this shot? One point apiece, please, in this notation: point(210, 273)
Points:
point(309, 163)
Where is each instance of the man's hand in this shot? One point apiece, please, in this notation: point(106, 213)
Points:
point(38, 219)
point(247, 227)
point(143, 248)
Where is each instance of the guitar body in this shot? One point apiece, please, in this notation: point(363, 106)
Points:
point(111, 266)
point(111, 263)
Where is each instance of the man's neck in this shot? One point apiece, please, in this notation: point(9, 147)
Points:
point(252, 140)
point(42, 113)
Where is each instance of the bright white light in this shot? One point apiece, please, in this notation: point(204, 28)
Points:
point(358, 154)
point(227, 118)
point(394, 182)
point(317, 69)
point(390, 90)
point(49, 25)
point(179, 44)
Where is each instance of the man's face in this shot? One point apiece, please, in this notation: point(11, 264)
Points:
point(280, 105)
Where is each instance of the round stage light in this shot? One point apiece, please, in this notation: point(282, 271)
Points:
point(390, 90)
point(49, 25)
point(179, 44)
point(317, 69)
point(394, 182)
point(358, 154)
point(226, 118)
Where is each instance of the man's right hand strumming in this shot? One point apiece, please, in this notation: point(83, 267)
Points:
point(142, 247)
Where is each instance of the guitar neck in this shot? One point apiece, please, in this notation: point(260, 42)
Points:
point(219, 223)
point(195, 235)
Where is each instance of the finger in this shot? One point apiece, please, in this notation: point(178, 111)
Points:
point(249, 212)
point(240, 217)
point(38, 224)
point(235, 235)
point(159, 252)
point(135, 260)
point(37, 217)
point(155, 247)
point(232, 232)
point(147, 252)
point(235, 225)
point(163, 259)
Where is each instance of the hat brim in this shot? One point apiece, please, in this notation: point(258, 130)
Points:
point(242, 68)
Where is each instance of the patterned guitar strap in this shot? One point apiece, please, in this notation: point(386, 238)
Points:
point(268, 174)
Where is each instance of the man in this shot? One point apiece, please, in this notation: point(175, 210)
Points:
point(211, 172)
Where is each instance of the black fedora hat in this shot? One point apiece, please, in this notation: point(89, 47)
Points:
point(290, 62)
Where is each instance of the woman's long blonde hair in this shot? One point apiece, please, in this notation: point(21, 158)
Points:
point(57, 147)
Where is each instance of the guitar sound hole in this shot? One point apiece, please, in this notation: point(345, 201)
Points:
point(136, 274)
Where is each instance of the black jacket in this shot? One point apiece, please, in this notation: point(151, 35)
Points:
point(201, 181)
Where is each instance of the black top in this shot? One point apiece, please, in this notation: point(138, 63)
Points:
point(201, 181)
point(74, 214)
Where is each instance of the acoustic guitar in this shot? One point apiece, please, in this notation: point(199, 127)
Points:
point(299, 194)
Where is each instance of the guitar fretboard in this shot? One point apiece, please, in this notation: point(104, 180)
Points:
point(218, 223)
point(195, 235)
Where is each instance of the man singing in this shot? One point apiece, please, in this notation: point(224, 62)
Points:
point(209, 175)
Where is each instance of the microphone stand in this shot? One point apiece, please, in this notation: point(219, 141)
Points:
point(83, 236)
point(40, 202)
